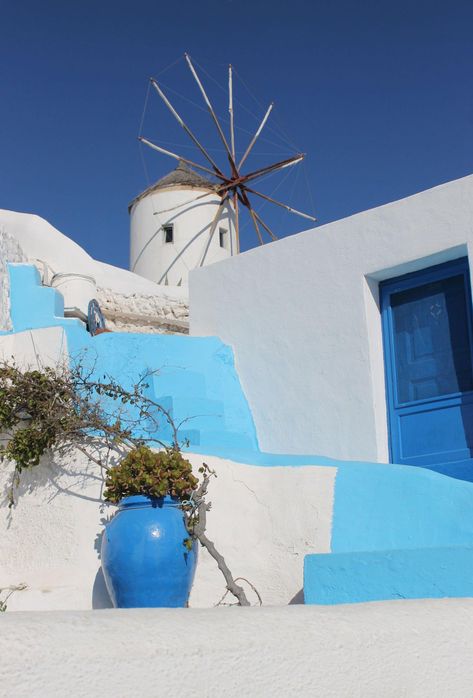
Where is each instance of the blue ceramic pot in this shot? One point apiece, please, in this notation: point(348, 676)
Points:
point(144, 560)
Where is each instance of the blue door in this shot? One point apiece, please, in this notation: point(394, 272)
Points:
point(427, 331)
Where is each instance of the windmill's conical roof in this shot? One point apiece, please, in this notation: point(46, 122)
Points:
point(182, 175)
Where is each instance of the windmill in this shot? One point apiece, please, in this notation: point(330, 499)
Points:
point(235, 187)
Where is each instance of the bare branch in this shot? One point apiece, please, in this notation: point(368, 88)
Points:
point(196, 526)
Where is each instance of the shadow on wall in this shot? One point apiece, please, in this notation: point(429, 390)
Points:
point(297, 599)
point(100, 596)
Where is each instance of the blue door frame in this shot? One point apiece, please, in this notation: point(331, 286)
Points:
point(428, 340)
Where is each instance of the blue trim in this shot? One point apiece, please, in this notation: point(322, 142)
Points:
point(458, 267)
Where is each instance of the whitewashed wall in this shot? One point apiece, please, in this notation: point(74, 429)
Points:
point(10, 251)
point(408, 649)
point(302, 317)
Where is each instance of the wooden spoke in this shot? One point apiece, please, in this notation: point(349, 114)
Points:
point(277, 166)
point(279, 203)
point(253, 140)
point(180, 157)
point(255, 223)
point(246, 202)
point(237, 221)
point(184, 126)
point(266, 227)
point(212, 113)
point(241, 180)
point(230, 110)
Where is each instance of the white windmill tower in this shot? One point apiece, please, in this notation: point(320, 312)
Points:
point(186, 220)
point(170, 223)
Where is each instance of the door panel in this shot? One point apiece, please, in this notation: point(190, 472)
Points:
point(429, 371)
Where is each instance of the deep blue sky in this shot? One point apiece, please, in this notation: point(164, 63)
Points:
point(378, 94)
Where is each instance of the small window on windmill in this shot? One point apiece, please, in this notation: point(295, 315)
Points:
point(168, 233)
point(223, 237)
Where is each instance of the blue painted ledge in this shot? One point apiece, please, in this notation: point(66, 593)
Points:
point(427, 573)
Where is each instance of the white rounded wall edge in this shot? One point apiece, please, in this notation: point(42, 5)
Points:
point(416, 649)
point(41, 242)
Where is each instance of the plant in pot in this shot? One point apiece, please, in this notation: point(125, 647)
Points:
point(148, 554)
point(149, 550)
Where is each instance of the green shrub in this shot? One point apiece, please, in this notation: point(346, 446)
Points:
point(152, 474)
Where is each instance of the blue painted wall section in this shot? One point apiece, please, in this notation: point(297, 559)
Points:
point(195, 380)
point(429, 573)
point(380, 507)
point(397, 532)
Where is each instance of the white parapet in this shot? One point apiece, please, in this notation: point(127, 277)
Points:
point(417, 649)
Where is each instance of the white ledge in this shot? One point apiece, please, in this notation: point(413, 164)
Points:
point(396, 648)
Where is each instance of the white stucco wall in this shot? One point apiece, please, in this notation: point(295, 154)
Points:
point(263, 520)
point(302, 317)
point(153, 258)
point(413, 649)
point(10, 251)
point(35, 348)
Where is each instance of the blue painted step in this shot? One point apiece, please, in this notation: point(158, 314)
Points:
point(381, 575)
point(196, 375)
point(206, 402)
point(35, 306)
point(198, 412)
point(179, 382)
